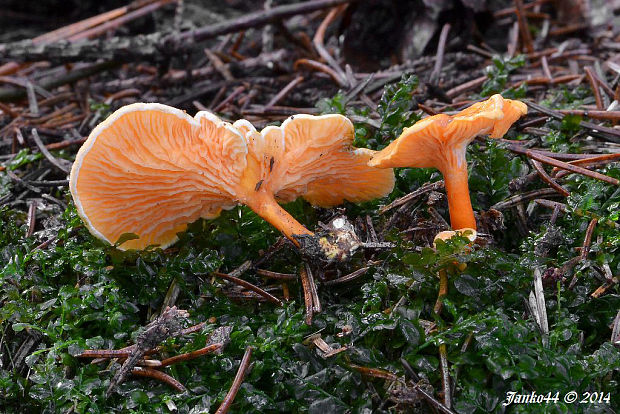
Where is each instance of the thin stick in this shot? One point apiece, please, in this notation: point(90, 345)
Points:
point(524, 29)
point(23, 183)
point(539, 156)
point(597, 130)
point(591, 162)
point(33, 105)
point(320, 67)
point(318, 42)
point(50, 183)
point(602, 84)
point(604, 115)
point(554, 205)
point(572, 168)
point(284, 91)
point(243, 267)
point(479, 51)
point(413, 195)
point(521, 198)
point(568, 29)
point(472, 84)
point(47, 154)
point(116, 22)
point(513, 42)
point(276, 275)
point(191, 329)
point(545, 67)
point(229, 98)
point(428, 397)
point(219, 65)
point(445, 376)
point(158, 375)
point(546, 178)
point(441, 47)
point(105, 353)
point(256, 19)
point(316, 304)
point(32, 210)
point(82, 25)
point(191, 355)
point(347, 278)
point(249, 286)
point(585, 249)
point(595, 88)
point(511, 10)
point(125, 93)
point(13, 94)
point(375, 372)
point(48, 117)
point(604, 288)
point(234, 388)
point(305, 284)
point(428, 109)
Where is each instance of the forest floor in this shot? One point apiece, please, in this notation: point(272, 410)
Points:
point(534, 306)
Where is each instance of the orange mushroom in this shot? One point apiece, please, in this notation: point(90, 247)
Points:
point(440, 141)
point(151, 169)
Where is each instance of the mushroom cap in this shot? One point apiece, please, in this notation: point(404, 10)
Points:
point(513, 110)
point(151, 169)
point(469, 233)
point(439, 141)
point(321, 165)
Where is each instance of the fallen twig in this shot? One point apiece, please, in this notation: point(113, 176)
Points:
point(47, 154)
point(600, 131)
point(158, 375)
point(249, 286)
point(546, 178)
point(154, 46)
point(347, 278)
point(445, 376)
point(428, 397)
point(538, 156)
point(154, 333)
point(191, 355)
point(234, 388)
point(276, 275)
point(437, 185)
point(308, 297)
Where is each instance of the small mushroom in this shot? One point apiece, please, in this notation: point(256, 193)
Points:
point(469, 233)
point(440, 141)
point(151, 169)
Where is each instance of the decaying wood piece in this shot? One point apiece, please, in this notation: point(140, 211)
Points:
point(166, 325)
point(154, 46)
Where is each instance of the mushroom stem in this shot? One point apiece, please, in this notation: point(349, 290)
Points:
point(459, 203)
point(264, 204)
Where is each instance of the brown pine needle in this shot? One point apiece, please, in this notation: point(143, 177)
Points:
point(158, 375)
point(191, 355)
point(249, 286)
point(234, 388)
point(546, 178)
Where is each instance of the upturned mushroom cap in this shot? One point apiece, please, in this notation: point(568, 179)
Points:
point(151, 169)
point(440, 141)
point(470, 234)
